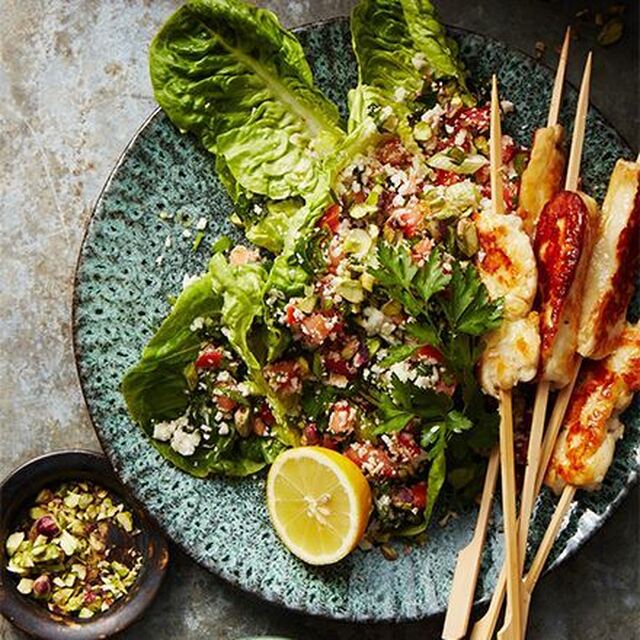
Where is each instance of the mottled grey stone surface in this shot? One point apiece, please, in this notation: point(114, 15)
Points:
point(73, 88)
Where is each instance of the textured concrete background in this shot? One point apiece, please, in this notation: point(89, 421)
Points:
point(73, 88)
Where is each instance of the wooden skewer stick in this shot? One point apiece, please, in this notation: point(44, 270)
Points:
point(467, 569)
point(545, 547)
point(558, 84)
point(577, 139)
point(562, 401)
point(485, 627)
point(512, 627)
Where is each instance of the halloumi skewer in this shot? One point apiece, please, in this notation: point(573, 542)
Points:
point(513, 620)
point(586, 445)
point(611, 285)
point(544, 174)
point(565, 237)
point(544, 157)
point(507, 267)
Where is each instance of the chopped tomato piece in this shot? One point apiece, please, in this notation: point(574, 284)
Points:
point(342, 419)
point(393, 152)
point(475, 118)
point(317, 327)
point(508, 149)
point(430, 353)
point(294, 315)
point(403, 448)
point(422, 249)
point(265, 414)
point(310, 435)
point(336, 363)
point(225, 403)
point(331, 218)
point(446, 178)
point(409, 221)
point(285, 377)
point(209, 358)
point(374, 461)
point(419, 495)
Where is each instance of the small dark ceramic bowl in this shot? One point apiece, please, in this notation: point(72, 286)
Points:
point(17, 491)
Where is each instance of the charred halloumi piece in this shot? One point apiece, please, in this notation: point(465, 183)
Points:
point(544, 175)
point(585, 447)
point(505, 261)
point(614, 264)
point(563, 246)
point(511, 354)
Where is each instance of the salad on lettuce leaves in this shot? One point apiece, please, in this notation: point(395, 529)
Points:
point(360, 326)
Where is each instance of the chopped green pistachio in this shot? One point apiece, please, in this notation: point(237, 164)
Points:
point(351, 290)
point(80, 570)
point(25, 586)
point(422, 131)
point(14, 567)
point(357, 242)
point(13, 542)
point(68, 543)
point(68, 559)
point(61, 596)
point(37, 512)
point(71, 500)
point(120, 569)
point(367, 281)
point(307, 304)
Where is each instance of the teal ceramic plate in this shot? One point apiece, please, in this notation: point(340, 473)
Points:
point(121, 295)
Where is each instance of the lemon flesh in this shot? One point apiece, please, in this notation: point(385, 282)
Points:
point(319, 503)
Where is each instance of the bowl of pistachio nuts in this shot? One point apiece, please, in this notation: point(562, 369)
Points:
point(80, 559)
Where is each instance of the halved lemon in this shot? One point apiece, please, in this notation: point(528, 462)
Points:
point(319, 503)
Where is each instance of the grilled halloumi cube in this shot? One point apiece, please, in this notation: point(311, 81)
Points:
point(563, 245)
point(585, 447)
point(544, 175)
point(511, 354)
point(614, 264)
point(505, 261)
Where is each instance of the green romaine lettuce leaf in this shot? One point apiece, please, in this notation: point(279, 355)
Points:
point(271, 231)
point(230, 73)
point(242, 288)
point(399, 42)
point(157, 387)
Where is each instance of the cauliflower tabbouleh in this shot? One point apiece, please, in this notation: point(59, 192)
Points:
point(373, 363)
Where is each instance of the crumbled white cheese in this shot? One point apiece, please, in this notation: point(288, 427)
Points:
point(184, 442)
point(164, 430)
point(223, 429)
point(197, 324)
point(201, 225)
point(506, 106)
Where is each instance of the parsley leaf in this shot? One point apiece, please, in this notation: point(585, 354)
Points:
point(405, 402)
point(435, 480)
point(468, 308)
point(398, 353)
